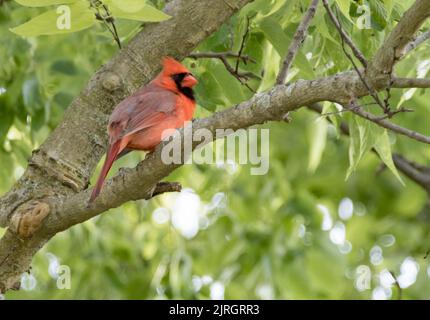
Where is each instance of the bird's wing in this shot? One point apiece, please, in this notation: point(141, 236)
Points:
point(144, 109)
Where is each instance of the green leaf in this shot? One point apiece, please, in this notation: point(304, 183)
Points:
point(144, 13)
point(318, 143)
point(31, 94)
point(323, 269)
point(63, 99)
point(361, 140)
point(323, 25)
point(389, 5)
point(329, 107)
point(128, 5)
point(6, 121)
point(53, 22)
point(304, 66)
point(344, 8)
point(43, 3)
point(38, 120)
point(209, 92)
point(64, 66)
point(383, 148)
point(231, 88)
point(397, 11)
point(378, 14)
point(6, 170)
point(275, 34)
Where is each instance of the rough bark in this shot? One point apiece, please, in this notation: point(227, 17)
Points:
point(393, 49)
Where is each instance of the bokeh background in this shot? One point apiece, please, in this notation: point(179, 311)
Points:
point(300, 232)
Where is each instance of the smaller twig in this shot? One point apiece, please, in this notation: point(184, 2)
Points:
point(298, 39)
point(427, 254)
point(334, 113)
point(387, 99)
point(237, 74)
point(242, 77)
point(318, 108)
point(107, 19)
point(346, 39)
point(242, 45)
point(418, 173)
point(390, 113)
point(358, 54)
point(164, 187)
point(111, 20)
point(415, 43)
point(369, 88)
point(227, 54)
point(399, 289)
point(387, 124)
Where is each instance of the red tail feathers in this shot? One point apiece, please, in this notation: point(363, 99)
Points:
point(111, 155)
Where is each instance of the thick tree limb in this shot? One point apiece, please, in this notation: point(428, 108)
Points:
point(403, 33)
point(410, 83)
point(133, 184)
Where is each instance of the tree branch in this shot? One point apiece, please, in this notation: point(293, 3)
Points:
point(133, 184)
point(416, 172)
point(242, 77)
point(357, 53)
point(346, 39)
point(381, 121)
point(410, 83)
point(107, 19)
point(393, 47)
point(222, 56)
point(218, 55)
point(423, 37)
point(298, 39)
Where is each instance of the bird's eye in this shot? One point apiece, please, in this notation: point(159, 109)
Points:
point(178, 77)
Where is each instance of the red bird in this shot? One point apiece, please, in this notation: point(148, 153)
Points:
point(137, 122)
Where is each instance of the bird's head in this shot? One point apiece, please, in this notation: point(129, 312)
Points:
point(178, 73)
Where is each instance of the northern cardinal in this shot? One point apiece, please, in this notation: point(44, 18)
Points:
point(138, 122)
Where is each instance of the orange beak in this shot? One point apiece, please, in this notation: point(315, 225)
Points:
point(189, 81)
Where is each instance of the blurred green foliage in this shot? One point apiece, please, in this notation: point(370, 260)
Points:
point(300, 232)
